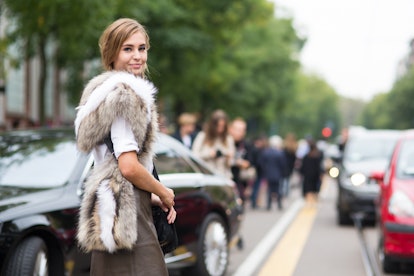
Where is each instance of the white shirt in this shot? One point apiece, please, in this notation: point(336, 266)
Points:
point(122, 138)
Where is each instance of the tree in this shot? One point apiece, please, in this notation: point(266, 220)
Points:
point(376, 114)
point(58, 25)
point(314, 106)
point(401, 106)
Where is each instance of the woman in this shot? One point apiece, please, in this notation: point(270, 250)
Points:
point(214, 145)
point(116, 221)
point(312, 173)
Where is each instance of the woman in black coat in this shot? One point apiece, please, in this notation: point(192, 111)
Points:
point(312, 172)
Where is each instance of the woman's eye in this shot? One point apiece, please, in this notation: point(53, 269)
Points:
point(127, 49)
point(142, 48)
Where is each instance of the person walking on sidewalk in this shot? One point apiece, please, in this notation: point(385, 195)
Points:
point(312, 171)
point(273, 162)
point(242, 169)
point(259, 145)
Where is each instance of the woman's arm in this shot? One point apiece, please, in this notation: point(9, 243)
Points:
point(137, 174)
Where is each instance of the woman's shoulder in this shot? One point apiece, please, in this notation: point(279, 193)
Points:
point(107, 82)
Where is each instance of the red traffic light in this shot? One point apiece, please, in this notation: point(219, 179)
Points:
point(326, 132)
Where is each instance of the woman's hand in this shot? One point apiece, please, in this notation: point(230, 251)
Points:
point(172, 214)
point(168, 198)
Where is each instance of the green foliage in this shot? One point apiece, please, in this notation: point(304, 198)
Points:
point(376, 113)
point(402, 106)
point(395, 109)
point(234, 55)
point(314, 107)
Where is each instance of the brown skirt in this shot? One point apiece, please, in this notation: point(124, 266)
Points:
point(145, 259)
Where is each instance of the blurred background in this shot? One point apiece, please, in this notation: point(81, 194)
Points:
point(245, 57)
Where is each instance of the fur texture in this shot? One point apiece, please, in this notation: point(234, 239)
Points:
point(108, 218)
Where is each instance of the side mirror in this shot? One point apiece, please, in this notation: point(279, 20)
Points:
point(378, 176)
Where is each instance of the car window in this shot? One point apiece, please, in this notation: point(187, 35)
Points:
point(364, 148)
point(169, 161)
point(203, 169)
point(37, 163)
point(405, 162)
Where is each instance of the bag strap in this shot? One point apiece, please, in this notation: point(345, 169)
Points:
point(108, 142)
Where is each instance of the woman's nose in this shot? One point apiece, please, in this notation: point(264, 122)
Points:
point(137, 54)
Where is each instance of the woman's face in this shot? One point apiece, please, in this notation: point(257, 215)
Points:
point(133, 55)
point(221, 126)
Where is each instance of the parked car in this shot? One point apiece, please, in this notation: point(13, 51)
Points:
point(396, 207)
point(364, 152)
point(41, 181)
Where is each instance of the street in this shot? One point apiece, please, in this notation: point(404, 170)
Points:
point(301, 240)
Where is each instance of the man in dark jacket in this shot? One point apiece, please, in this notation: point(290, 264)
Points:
point(273, 163)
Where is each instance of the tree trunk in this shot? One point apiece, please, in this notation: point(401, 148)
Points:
point(57, 120)
point(42, 80)
point(27, 90)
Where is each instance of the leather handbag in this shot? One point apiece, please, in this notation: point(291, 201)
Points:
point(167, 234)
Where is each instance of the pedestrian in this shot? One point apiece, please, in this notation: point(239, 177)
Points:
point(312, 171)
point(119, 105)
point(259, 145)
point(290, 146)
point(186, 131)
point(343, 139)
point(242, 169)
point(215, 145)
point(273, 163)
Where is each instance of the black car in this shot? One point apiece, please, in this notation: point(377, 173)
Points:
point(41, 184)
point(364, 152)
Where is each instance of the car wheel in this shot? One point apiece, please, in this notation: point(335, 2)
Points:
point(212, 248)
point(388, 266)
point(29, 258)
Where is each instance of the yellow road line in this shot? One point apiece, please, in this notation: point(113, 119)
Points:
point(283, 259)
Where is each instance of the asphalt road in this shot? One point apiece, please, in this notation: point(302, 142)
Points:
point(302, 241)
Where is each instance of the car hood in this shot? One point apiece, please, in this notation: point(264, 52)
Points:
point(15, 200)
point(365, 166)
point(193, 180)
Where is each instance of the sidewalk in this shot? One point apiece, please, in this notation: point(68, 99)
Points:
point(289, 232)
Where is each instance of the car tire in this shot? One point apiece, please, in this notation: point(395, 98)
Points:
point(212, 247)
point(388, 266)
point(29, 258)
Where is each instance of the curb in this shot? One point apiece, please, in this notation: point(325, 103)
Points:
point(260, 252)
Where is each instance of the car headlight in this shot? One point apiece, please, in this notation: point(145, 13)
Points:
point(357, 179)
point(334, 172)
point(401, 205)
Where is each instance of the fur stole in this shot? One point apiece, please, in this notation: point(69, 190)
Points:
point(108, 215)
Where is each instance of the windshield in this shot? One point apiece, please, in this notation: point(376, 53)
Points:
point(37, 163)
point(405, 163)
point(364, 148)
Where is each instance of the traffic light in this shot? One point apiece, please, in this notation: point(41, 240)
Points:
point(326, 132)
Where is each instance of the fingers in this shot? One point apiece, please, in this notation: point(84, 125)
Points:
point(172, 215)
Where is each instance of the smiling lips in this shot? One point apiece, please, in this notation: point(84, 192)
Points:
point(136, 66)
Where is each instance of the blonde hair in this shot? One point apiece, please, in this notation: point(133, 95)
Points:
point(111, 40)
point(187, 119)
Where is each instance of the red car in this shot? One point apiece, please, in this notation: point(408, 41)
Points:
point(396, 206)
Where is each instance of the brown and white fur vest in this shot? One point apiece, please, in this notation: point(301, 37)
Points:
point(108, 215)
